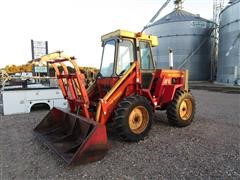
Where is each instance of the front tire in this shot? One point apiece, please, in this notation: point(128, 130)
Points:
point(133, 118)
point(181, 110)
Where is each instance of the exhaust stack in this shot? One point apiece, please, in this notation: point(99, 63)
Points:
point(170, 59)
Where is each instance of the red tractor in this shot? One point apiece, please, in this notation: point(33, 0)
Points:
point(127, 91)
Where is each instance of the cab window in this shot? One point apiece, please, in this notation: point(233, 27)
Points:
point(108, 58)
point(146, 56)
point(125, 56)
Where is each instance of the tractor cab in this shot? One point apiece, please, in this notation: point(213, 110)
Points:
point(120, 49)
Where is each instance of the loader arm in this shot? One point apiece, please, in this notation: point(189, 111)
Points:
point(74, 135)
point(107, 104)
point(76, 95)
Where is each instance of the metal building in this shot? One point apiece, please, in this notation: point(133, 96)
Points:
point(228, 69)
point(188, 35)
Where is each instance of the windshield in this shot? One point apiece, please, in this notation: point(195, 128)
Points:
point(108, 59)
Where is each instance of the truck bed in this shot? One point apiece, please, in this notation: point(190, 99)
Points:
point(21, 100)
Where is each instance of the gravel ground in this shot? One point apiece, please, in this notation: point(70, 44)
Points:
point(208, 148)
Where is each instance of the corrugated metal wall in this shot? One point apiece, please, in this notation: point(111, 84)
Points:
point(189, 37)
point(228, 70)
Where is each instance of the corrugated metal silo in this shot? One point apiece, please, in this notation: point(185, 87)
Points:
point(189, 37)
point(228, 69)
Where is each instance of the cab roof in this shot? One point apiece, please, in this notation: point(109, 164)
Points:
point(128, 34)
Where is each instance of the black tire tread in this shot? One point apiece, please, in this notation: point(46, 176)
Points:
point(172, 109)
point(119, 124)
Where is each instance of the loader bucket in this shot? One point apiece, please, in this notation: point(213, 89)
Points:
point(75, 139)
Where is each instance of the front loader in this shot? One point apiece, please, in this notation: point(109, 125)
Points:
point(127, 91)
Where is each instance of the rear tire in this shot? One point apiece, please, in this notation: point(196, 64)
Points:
point(133, 118)
point(181, 111)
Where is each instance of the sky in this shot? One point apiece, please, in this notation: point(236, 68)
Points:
point(75, 26)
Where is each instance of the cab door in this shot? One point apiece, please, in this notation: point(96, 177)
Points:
point(146, 63)
point(105, 79)
point(118, 55)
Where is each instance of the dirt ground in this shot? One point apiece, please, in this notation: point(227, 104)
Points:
point(208, 148)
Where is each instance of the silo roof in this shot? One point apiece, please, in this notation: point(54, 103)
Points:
point(179, 15)
point(231, 3)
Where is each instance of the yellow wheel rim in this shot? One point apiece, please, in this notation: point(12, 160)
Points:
point(138, 119)
point(185, 109)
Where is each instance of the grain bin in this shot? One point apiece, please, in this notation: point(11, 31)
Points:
point(228, 69)
point(188, 35)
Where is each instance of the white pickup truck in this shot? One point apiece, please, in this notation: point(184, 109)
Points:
point(19, 100)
